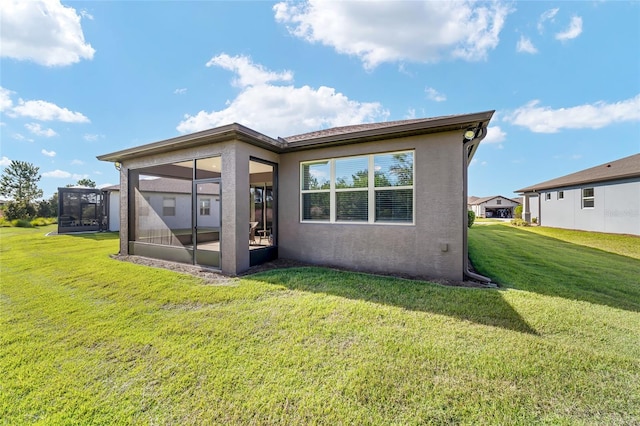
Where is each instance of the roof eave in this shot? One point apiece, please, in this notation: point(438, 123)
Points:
point(219, 134)
point(538, 188)
point(444, 124)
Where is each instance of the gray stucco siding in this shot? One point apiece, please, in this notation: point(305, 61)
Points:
point(616, 208)
point(400, 248)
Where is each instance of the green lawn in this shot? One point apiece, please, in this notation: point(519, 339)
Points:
point(85, 339)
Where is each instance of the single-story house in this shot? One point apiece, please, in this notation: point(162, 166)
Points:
point(495, 206)
point(604, 198)
point(385, 197)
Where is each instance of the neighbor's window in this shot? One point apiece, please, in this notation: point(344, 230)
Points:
point(560, 195)
point(367, 189)
point(168, 206)
point(588, 198)
point(205, 207)
point(498, 202)
point(547, 196)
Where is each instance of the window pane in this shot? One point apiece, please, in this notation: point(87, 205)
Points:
point(394, 205)
point(587, 192)
point(316, 175)
point(205, 207)
point(169, 207)
point(352, 206)
point(394, 169)
point(352, 172)
point(315, 206)
point(588, 203)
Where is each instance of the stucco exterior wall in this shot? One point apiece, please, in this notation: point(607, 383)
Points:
point(616, 208)
point(235, 156)
point(432, 246)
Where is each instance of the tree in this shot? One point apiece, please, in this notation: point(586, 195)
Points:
point(20, 182)
point(48, 208)
point(88, 183)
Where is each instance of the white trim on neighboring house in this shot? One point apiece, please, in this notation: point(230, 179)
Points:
point(496, 206)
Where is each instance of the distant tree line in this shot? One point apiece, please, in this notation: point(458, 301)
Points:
point(19, 183)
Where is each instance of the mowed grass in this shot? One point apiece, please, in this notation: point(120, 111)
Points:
point(85, 339)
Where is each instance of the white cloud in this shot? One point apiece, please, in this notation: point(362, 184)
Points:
point(5, 99)
point(495, 135)
point(90, 137)
point(86, 15)
point(378, 32)
point(21, 137)
point(574, 30)
point(4, 161)
point(36, 129)
point(547, 15)
point(47, 111)
point(281, 110)
point(45, 32)
point(248, 73)
point(540, 119)
point(180, 91)
point(526, 46)
point(48, 153)
point(434, 95)
point(59, 174)
point(77, 162)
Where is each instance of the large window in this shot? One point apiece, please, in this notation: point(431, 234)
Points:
point(367, 189)
point(588, 198)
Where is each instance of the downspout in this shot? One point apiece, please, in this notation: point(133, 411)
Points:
point(471, 140)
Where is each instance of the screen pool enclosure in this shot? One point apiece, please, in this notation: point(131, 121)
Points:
point(81, 210)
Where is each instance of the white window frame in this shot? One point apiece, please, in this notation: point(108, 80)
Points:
point(371, 191)
point(560, 195)
point(204, 210)
point(588, 198)
point(547, 196)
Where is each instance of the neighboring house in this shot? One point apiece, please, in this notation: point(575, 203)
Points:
point(381, 197)
point(168, 200)
point(495, 206)
point(605, 198)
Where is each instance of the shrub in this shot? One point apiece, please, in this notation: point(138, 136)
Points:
point(21, 223)
point(517, 212)
point(4, 223)
point(43, 221)
point(16, 210)
point(534, 220)
point(472, 218)
point(519, 222)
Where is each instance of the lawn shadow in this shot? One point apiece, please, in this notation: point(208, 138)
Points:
point(481, 306)
point(524, 260)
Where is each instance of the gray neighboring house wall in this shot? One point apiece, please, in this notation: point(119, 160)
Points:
point(495, 206)
point(155, 191)
point(415, 222)
point(604, 198)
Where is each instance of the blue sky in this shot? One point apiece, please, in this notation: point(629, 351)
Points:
point(80, 79)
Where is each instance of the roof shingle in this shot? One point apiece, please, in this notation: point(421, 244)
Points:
point(620, 169)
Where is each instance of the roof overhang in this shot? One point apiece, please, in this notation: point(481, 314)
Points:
point(237, 132)
point(229, 132)
point(436, 125)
